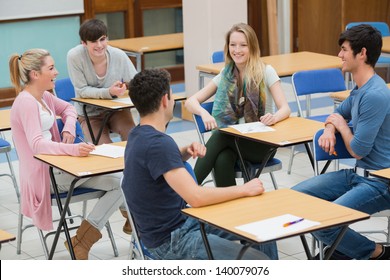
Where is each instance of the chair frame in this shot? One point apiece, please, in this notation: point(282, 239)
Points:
point(6, 149)
point(272, 165)
point(80, 194)
point(309, 83)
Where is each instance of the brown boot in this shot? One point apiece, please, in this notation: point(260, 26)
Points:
point(85, 237)
point(127, 227)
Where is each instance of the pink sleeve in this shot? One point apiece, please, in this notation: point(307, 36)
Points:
point(30, 120)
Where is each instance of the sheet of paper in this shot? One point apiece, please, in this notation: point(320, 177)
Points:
point(107, 150)
point(252, 127)
point(274, 227)
point(125, 100)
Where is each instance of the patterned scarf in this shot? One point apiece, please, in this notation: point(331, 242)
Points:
point(234, 101)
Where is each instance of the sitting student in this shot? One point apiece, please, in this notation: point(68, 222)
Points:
point(157, 186)
point(100, 71)
point(368, 108)
point(35, 131)
point(244, 91)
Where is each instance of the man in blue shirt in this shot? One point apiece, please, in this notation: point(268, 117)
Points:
point(368, 107)
point(157, 186)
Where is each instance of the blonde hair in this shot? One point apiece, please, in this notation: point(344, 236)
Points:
point(20, 66)
point(254, 70)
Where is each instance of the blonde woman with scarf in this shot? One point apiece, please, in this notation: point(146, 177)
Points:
point(245, 91)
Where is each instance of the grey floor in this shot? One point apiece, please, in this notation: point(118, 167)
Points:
point(184, 133)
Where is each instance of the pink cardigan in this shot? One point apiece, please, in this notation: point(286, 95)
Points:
point(27, 136)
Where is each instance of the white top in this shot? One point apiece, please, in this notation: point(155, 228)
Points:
point(47, 120)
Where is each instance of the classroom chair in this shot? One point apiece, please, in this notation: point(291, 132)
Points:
point(272, 165)
point(383, 27)
point(320, 156)
point(312, 83)
point(64, 89)
point(80, 194)
point(218, 56)
point(5, 148)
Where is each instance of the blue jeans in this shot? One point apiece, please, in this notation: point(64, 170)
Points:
point(346, 188)
point(186, 243)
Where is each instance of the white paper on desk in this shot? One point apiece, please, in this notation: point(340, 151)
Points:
point(273, 227)
point(107, 150)
point(124, 100)
point(252, 127)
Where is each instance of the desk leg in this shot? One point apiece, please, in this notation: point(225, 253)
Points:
point(89, 124)
point(107, 116)
point(63, 210)
point(245, 247)
point(306, 247)
point(336, 243)
point(309, 154)
point(139, 62)
point(201, 81)
point(263, 163)
point(206, 241)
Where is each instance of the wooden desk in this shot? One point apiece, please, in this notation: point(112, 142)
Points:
point(289, 132)
point(5, 120)
point(383, 173)
point(340, 96)
point(228, 215)
point(5, 237)
point(136, 47)
point(284, 64)
point(79, 167)
point(386, 44)
point(111, 106)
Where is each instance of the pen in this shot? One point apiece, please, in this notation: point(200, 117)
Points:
point(81, 139)
point(293, 222)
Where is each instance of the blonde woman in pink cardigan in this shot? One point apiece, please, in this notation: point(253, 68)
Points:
point(35, 131)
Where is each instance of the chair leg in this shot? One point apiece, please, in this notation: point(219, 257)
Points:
point(20, 232)
point(271, 174)
point(388, 230)
point(44, 244)
point(112, 239)
point(13, 177)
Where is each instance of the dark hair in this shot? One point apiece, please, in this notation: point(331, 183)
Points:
point(364, 36)
point(92, 29)
point(147, 88)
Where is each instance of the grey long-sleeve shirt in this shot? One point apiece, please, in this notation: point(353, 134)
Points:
point(85, 80)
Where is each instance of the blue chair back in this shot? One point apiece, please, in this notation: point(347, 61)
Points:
point(318, 81)
point(320, 155)
point(308, 83)
point(79, 131)
point(208, 106)
point(64, 89)
point(188, 167)
point(381, 26)
point(218, 56)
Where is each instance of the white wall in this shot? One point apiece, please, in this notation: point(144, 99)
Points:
point(205, 23)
